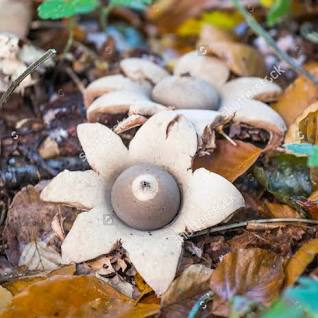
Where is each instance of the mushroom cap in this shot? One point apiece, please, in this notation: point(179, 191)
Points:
point(251, 88)
point(207, 68)
point(255, 113)
point(118, 102)
point(112, 83)
point(145, 197)
point(141, 69)
point(186, 93)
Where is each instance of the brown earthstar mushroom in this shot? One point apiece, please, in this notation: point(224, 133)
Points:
point(167, 141)
point(186, 93)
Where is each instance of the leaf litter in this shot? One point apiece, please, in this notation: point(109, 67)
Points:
point(249, 266)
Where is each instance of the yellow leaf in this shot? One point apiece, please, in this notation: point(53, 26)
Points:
point(267, 3)
point(301, 259)
point(220, 19)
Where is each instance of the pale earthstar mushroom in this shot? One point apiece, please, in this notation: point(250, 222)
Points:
point(141, 69)
point(159, 155)
point(186, 92)
point(208, 68)
point(112, 83)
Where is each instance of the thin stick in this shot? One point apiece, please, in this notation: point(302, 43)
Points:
point(258, 29)
point(251, 223)
point(27, 72)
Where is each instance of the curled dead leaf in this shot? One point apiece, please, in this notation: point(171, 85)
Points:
point(228, 160)
point(300, 260)
point(296, 98)
point(255, 273)
point(305, 127)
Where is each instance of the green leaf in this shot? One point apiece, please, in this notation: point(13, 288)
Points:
point(279, 9)
point(305, 149)
point(286, 176)
point(134, 4)
point(57, 9)
point(296, 302)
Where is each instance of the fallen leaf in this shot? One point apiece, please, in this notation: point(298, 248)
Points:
point(255, 273)
point(38, 256)
point(220, 19)
point(285, 176)
point(168, 15)
point(5, 298)
point(16, 286)
point(74, 296)
point(298, 96)
point(184, 290)
point(281, 210)
point(29, 220)
point(142, 286)
point(305, 127)
point(228, 160)
point(300, 260)
point(15, 16)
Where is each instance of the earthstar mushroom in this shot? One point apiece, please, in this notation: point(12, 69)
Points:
point(167, 141)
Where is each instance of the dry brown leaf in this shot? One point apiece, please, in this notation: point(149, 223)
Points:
point(298, 96)
point(182, 293)
point(228, 160)
point(242, 59)
point(281, 210)
point(74, 296)
point(255, 273)
point(17, 285)
point(305, 128)
point(210, 34)
point(29, 219)
point(300, 260)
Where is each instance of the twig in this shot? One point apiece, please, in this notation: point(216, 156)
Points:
point(50, 53)
point(200, 304)
point(252, 223)
point(75, 79)
point(258, 29)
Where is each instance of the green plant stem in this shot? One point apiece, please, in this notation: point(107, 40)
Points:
point(103, 17)
point(258, 29)
point(70, 30)
point(48, 54)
